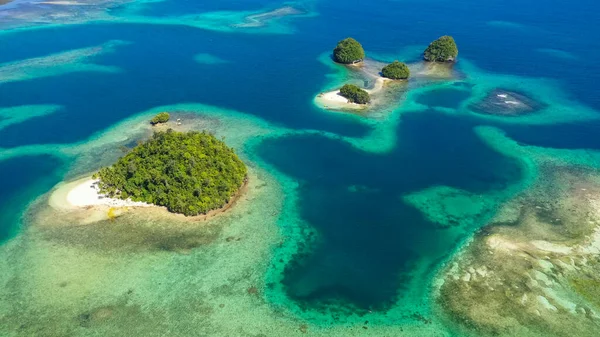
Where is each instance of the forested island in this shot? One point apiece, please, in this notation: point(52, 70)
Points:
point(348, 51)
point(189, 173)
point(396, 71)
point(443, 49)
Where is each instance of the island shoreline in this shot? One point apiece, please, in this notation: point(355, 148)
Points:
point(61, 199)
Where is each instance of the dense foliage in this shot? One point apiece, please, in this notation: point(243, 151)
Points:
point(190, 173)
point(348, 51)
point(396, 71)
point(162, 117)
point(441, 50)
point(355, 94)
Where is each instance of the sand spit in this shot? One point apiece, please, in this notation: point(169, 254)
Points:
point(82, 200)
point(84, 193)
point(88, 194)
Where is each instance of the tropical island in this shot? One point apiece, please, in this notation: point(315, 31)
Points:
point(396, 71)
point(443, 49)
point(189, 173)
point(348, 51)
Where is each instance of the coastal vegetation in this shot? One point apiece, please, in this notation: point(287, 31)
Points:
point(441, 50)
point(348, 51)
point(355, 94)
point(396, 71)
point(162, 117)
point(190, 173)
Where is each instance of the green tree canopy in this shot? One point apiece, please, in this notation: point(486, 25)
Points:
point(355, 94)
point(396, 71)
point(162, 117)
point(189, 173)
point(348, 51)
point(441, 50)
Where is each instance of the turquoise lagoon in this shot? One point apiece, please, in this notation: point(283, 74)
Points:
point(349, 217)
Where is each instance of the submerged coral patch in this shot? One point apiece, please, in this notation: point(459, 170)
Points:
point(20, 114)
point(204, 58)
point(531, 270)
point(450, 207)
point(501, 102)
point(77, 60)
point(262, 19)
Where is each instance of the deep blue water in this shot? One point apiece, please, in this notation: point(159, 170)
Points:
point(370, 234)
point(445, 98)
point(24, 179)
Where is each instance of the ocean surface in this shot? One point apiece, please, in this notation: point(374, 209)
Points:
point(374, 250)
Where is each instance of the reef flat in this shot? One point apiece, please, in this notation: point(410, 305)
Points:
point(532, 269)
point(507, 103)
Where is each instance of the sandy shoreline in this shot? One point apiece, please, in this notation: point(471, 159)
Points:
point(334, 100)
point(84, 193)
point(82, 198)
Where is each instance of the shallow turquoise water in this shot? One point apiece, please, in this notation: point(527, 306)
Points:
point(371, 240)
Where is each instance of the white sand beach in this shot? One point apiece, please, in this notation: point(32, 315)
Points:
point(334, 100)
point(84, 193)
